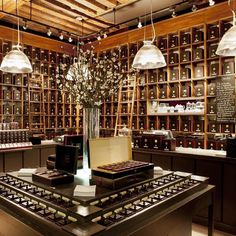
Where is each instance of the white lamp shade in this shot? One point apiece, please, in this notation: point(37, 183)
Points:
point(16, 62)
point(227, 45)
point(148, 57)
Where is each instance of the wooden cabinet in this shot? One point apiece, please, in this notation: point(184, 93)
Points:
point(183, 164)
point(1, 162)
point(221, 173)
point(142, 157)
point(213, 170)
point(31, 158)
point(162, 160)
point(229, 194)
point(13, 161)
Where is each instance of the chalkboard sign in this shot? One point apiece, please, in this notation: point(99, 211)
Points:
point(225, 99)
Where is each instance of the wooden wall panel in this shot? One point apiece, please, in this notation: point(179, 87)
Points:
point(1, 162)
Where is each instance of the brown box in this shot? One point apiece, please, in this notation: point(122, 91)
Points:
point(185, 73)
point(162, 44)
point(213, 32)
point(141, 124)
point(191, 142)
point(212, 50)
point(163, 91)
point(137, 140)
point(6, 94)
point(152, 124)
point(162, 75)
point(227, 128)
point(152, 77)
point(199, 90)
point(184, 39)
point(214, 69)
point(198, 54)
point(197, 36)
point(228, 67)
point(200, 143)
point(180, 141)
point(173, 58)
point(198, 126)
point(185, 56)
point(211, 144)
point(17, 109)
point(7, 79)
point(199, 72)
point(16, 95)
point(213, 127)
point(173, 41)
point(174, 125)
point(142, 94)
point(152, 93)
point(211, 90)
point(174, 91)
point(169, 144)
point(186, 125)
point(7, 109)
point(185, 90)
point(174, 74)
point(211, 108)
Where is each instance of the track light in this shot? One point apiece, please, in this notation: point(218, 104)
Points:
point(61, 36)
point(49, 32)
point(99, 37)
point(211, 3)
point(139, 24)
point(194, 8)
point(25, 26)
point(105, 35)
point(70, 39)
point(173, 15)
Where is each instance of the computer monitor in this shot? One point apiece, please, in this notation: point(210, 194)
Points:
point(66, 158)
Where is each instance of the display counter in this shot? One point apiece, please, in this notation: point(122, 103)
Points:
point(210, 163)
point(164, 204)
point(28, 157)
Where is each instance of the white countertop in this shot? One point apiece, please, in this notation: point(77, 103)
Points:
point(198, 151)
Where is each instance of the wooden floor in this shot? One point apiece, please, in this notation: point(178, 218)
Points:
point(199, 230)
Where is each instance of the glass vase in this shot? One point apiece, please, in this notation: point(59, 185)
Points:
point(90, 130)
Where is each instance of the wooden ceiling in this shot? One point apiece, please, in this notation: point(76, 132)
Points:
point(62, 15)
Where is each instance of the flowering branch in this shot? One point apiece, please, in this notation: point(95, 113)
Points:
point(91, 79)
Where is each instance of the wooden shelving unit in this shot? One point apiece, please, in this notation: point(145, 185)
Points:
point(34, 100)
point(190, 77)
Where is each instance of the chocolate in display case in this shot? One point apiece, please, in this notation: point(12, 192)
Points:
point(58, 211)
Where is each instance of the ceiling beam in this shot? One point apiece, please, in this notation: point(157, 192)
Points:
point(109, 3)
point(98, 7)
point(62, 8)
point(10, 7)
point(54, 15)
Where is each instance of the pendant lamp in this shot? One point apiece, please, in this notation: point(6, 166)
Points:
point(149, 56)
point(16, 61)
point(227, 45)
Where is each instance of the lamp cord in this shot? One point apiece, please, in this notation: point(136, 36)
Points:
point(153, 28)
point(232, 12)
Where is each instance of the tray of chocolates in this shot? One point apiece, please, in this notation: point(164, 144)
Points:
point(123, 166)
point(121, 172)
